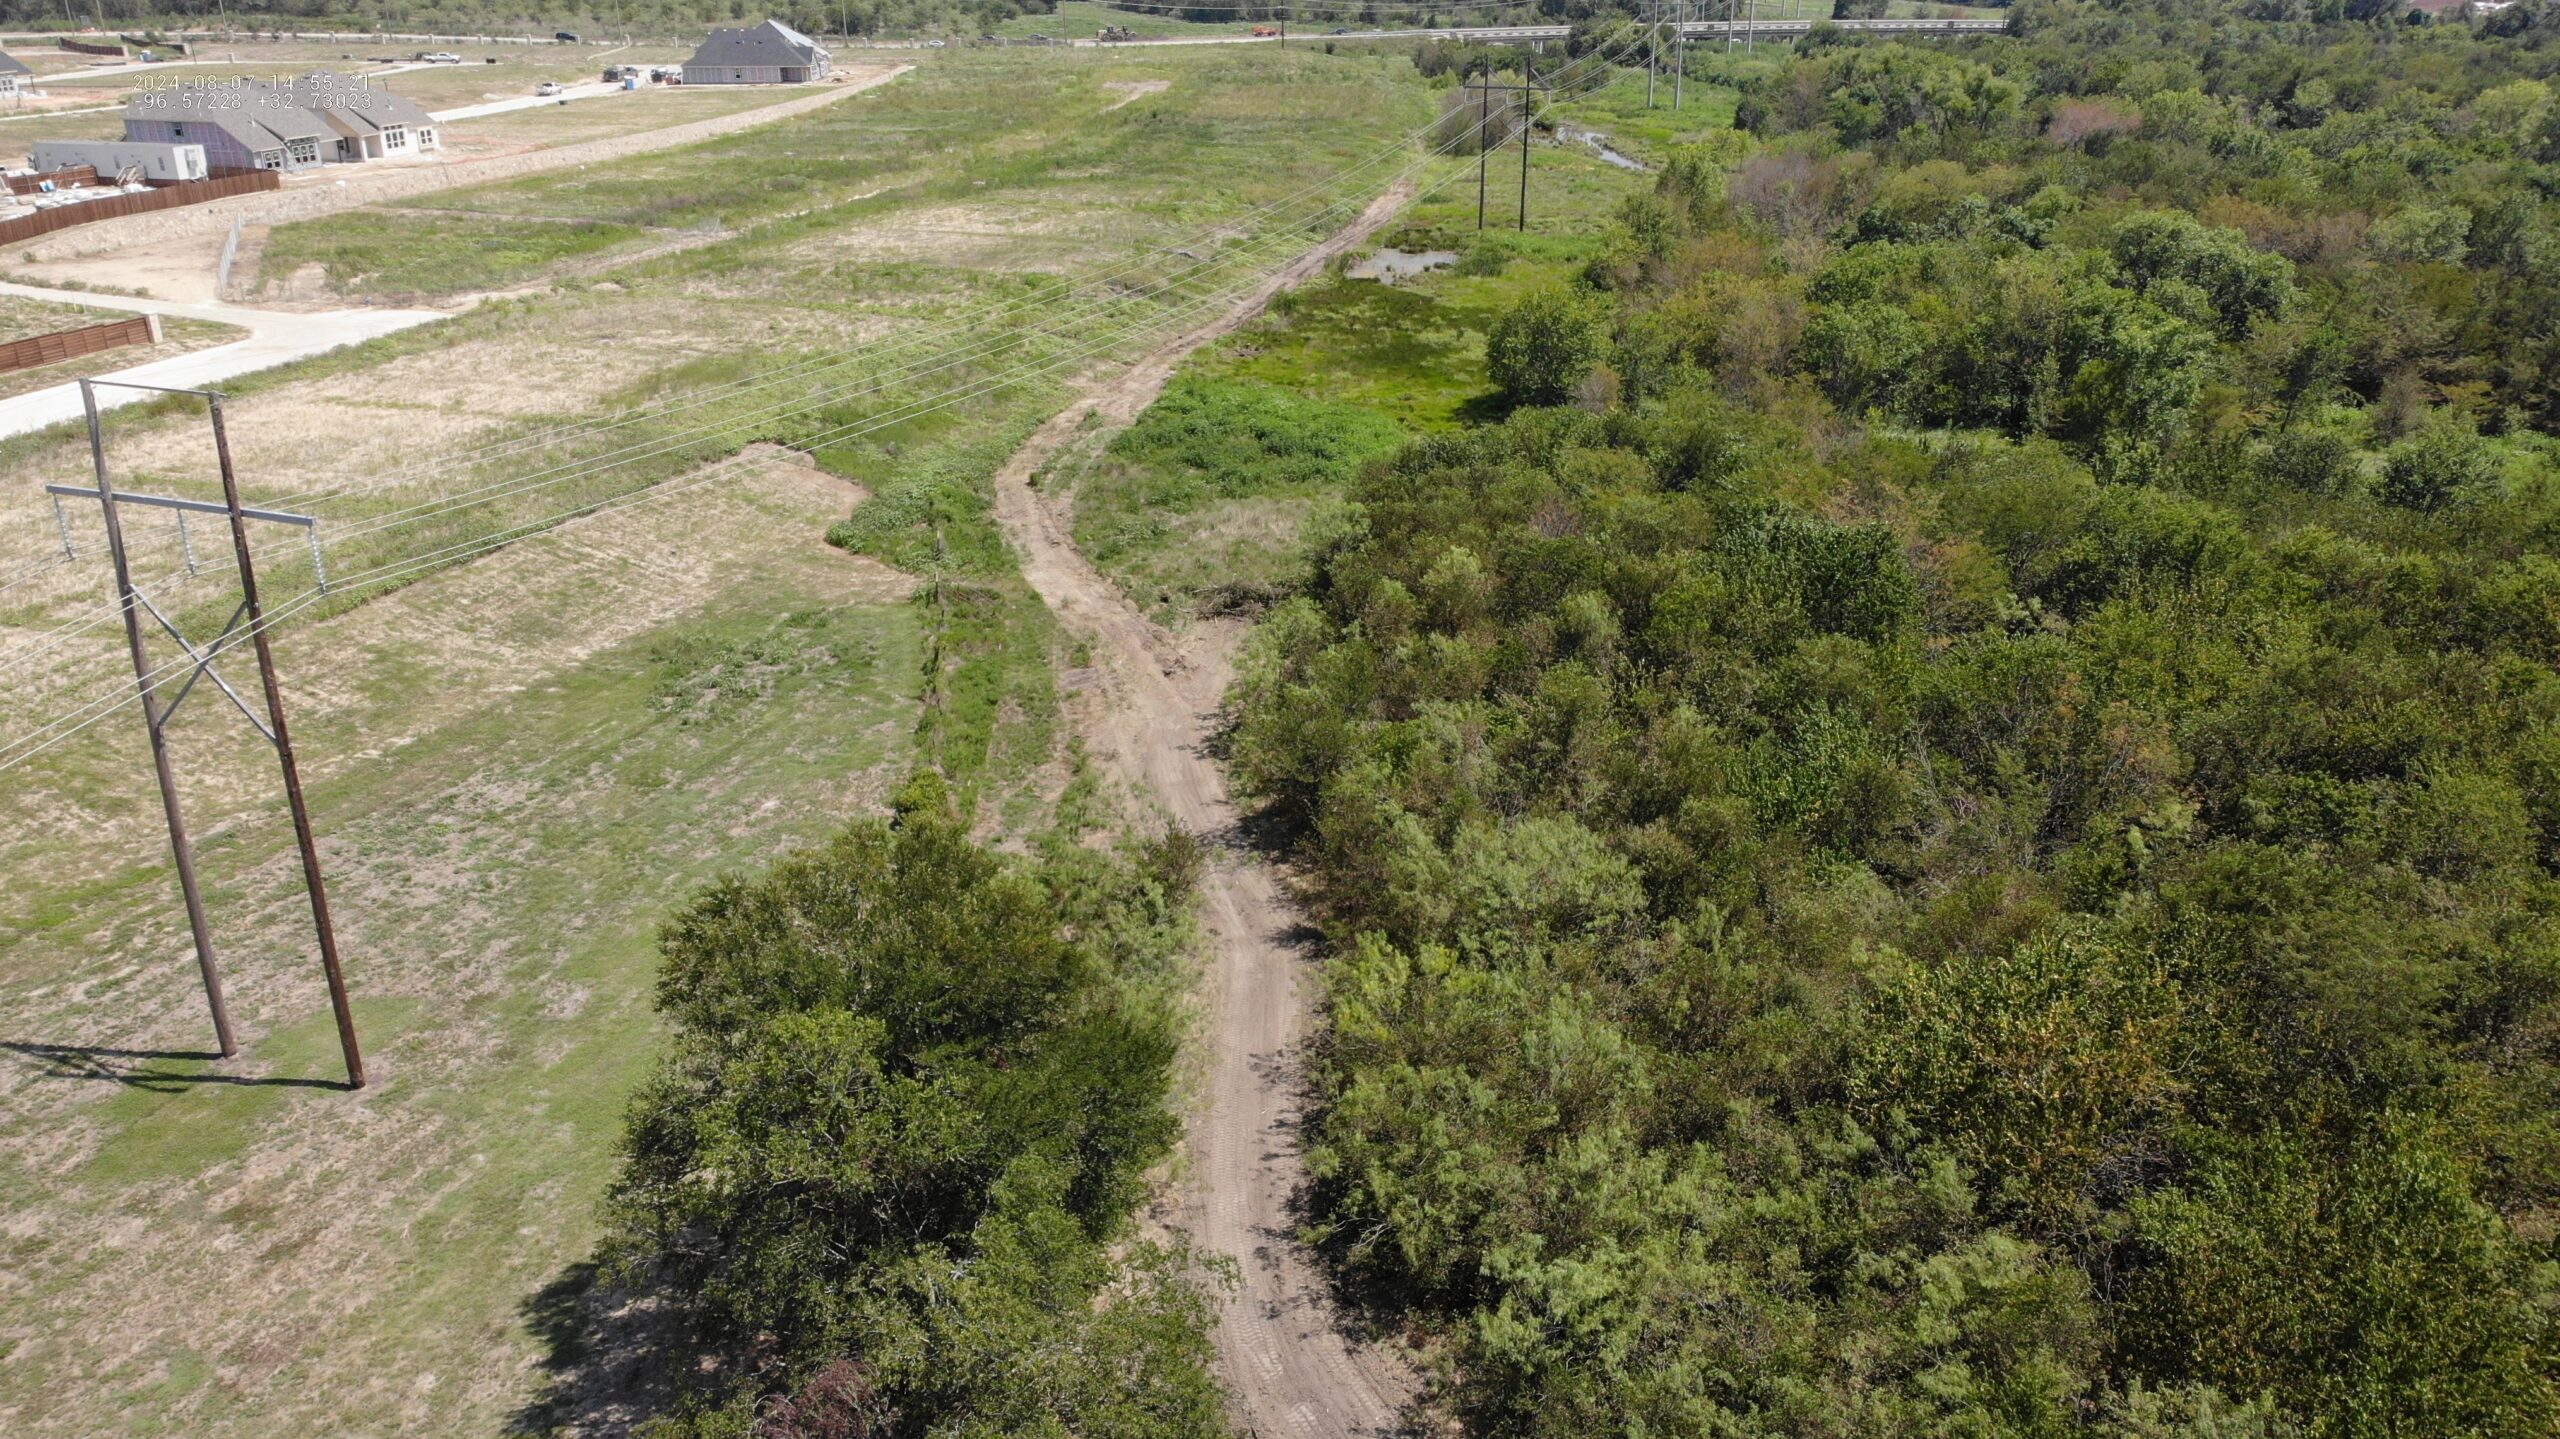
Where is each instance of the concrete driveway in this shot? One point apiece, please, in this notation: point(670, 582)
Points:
point(275, 338)
point(590, 90)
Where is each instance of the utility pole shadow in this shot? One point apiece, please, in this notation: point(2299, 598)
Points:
point(140, 1068)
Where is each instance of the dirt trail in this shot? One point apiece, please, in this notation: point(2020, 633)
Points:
point(1281, 1346)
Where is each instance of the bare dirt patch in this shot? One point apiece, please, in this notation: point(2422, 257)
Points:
point(1131, 91)
point(984, 236)
point(176, 269)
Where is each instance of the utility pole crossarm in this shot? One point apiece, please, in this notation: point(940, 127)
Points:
point(192, 507)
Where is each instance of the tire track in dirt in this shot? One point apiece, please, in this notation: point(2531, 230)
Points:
point(1288, 1364)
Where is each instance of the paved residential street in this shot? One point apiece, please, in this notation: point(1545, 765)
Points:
point(275, 338)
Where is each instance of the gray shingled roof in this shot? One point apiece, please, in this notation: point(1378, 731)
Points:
point(257, 114)
point(771, 43)
point(12, 65)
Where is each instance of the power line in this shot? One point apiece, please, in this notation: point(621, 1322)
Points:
point(593, 464)
point(906, 340)
point(63, 727)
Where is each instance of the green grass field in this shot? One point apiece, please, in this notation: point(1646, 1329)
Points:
point(1056, 145)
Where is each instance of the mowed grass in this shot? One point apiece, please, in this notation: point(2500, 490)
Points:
point(1082, 20)
point(409, 251)
point(1231, 127)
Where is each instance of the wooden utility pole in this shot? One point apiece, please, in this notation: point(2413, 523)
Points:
point(1524, 154)
point(180, 848)
point(1679, 54)
point(203, 659)
point(1485, 111)
point(1483, 119)
point(283, 738)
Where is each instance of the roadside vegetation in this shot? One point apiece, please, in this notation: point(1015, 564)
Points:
point(1943, 823)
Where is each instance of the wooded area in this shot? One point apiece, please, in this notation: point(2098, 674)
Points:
point(1941, 818)
point(1951, 829)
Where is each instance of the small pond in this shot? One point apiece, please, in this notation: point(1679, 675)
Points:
point(1392, 266)
point(1599, 143)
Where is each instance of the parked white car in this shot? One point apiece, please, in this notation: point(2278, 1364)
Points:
point(547, 87)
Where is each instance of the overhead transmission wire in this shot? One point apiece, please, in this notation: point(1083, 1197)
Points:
point(592, 465)
point(127, 691)
point(64, 727)
point(879, 380)
point(906, 341)
point(911, 340)
point(1137, 263)
point(903, 340)
point(398, 570)
point(469, 498)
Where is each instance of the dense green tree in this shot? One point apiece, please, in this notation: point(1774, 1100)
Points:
point(1544, 347)
point(2052, 957)
point(911, 1092)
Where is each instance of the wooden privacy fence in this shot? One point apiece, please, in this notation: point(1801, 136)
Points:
point(71, 344)
point(62, 180)
point(169, 197)
point(77, 47)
